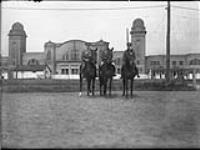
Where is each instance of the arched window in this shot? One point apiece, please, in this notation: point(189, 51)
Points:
point(195, 62)
point(65, 56)
point(75, 54)
point(33, 62)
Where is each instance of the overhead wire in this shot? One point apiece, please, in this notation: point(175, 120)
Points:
point(84, 9)
point(155, 31)
point(186, 8)
point(178, 24)
point(159, 25)
point(183, 16)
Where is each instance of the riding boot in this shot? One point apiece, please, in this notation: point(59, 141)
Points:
point(113, 72)
point(137, 72)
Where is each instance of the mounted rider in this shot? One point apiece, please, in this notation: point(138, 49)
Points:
point(106, 58)
point(88, 57)
point(128, 52)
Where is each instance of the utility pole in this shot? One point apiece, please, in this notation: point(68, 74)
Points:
point(168, 43)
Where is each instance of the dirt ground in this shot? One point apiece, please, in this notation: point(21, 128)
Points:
point(65, 120)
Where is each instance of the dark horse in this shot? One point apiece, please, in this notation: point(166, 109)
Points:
point(88, 71)
point(128, 72)
point(106, 72)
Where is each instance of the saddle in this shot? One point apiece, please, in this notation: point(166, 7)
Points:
point(109, 66)
point(83, 66)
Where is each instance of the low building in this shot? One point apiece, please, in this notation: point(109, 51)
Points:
point(57, 58)
point(156, 64)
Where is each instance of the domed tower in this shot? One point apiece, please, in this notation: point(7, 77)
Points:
point(138, 40)
point(17, 44)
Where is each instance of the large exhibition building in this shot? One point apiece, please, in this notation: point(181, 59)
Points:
point(63, 59)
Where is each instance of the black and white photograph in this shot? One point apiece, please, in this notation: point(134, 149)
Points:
point(100, 74)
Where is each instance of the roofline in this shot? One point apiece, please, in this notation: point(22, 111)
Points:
point(60, 44)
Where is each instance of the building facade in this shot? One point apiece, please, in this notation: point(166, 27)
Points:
point(156, 64)
point(56, 59)
point(65, 58)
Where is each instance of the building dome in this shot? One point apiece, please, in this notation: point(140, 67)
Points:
point(138, 25)
point(138, 22)
point(17, 26)
point(17, 30)
point(49, 43)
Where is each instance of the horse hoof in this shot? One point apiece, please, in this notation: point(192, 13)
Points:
point(80, 94)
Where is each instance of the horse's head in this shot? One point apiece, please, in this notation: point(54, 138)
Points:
point(107, 55)
point(130, 58)
point(93, 55)
point(88, 67)
point(89, 55)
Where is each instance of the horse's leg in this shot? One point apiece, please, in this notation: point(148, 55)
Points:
point(123, 80)
point(88, 86)
point(105, 86)
point(100, 85)
point(131, 87)
point(110, 87)
point(93, 86)
point(81, 79)
point(126, 86)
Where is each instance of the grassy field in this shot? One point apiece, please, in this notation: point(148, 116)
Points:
point(65, 120)
point(73, 85)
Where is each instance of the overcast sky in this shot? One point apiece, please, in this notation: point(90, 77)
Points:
point(109, 25)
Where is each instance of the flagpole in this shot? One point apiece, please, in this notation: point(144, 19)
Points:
point(127, 35)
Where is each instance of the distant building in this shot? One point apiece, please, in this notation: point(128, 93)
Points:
point(57, 58)
point(138, 40)
point(156, 64)
point(65, 58)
